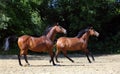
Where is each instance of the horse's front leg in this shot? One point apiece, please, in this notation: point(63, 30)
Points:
point(88, 58)
point(50, 58)
point(56, 56)
point(87, 53)
point(92, 56)
point(51, 53)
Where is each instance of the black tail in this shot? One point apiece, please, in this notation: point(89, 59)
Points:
point(8, 40)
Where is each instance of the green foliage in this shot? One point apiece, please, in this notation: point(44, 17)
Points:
point(109, 45)
point(18, 17)
point(3, 21)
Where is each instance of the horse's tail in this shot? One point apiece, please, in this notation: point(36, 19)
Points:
point(8, 40)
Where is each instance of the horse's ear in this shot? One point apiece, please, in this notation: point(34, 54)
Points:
point(56, 24)
point(91, 27)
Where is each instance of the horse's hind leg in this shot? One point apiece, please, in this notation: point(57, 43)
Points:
point(19, 59)
point(56, 55)
point(25, 57)
point(65, 54)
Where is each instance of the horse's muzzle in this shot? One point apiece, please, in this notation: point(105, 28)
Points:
point(97, 34)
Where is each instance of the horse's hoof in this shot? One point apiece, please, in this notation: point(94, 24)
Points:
point(72, 61)
point(20, 64)
point(56, 65)
point(90, 62)
point(50, 61)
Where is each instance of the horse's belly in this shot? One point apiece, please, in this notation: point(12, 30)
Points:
point(74, 47)
point(42, 49)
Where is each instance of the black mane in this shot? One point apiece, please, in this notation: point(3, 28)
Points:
point(82, 32)
point(47, 30)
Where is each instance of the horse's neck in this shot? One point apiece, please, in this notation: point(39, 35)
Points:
point(85, 36)
point(51, 34)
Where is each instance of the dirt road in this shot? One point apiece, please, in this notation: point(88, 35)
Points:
point(104, 64)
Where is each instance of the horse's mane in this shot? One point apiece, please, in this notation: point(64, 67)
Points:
point(82, 32)
point(47, 30)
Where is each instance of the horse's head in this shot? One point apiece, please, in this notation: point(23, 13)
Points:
point(93, 32)
point(59, 29)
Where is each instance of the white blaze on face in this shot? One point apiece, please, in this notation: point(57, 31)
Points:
point(65, 32)
point(96, 33)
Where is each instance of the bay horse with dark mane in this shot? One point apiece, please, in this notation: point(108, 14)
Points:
point(39, 44)
point(80, 42)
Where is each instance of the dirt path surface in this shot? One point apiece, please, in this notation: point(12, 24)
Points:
point(104, 64)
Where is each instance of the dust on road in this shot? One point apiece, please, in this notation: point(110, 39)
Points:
point(104, 64)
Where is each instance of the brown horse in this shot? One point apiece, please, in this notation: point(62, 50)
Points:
point(80, 42)
point(39, 44)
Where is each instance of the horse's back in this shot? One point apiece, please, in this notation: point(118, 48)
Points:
point(67, 39)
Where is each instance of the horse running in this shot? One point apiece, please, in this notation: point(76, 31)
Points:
point(80, 42)
point(39, 44)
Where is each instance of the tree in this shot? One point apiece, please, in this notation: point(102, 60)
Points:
point(18, 17)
